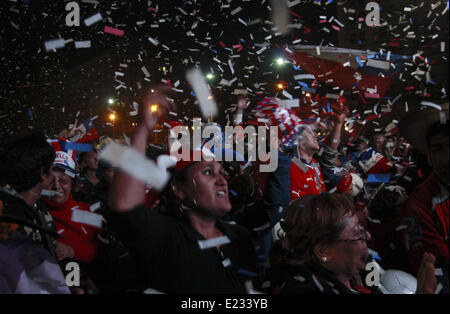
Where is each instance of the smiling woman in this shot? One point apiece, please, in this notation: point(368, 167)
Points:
point(325, 249)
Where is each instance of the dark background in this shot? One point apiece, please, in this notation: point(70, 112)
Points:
point(45, 91)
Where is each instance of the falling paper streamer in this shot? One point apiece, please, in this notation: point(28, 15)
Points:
point(83, 44)
point(152, 291)
point(207, 105)
point(87, 218)
point(135, 164)
point(378, 64)
point(153, 41)
point(431, 104)
point(113, 31)
point(235, 11)
point(304, 77)
point(226, 262)
point(50, 193)
point(289, 103)
point(93, 19)
point(94, 206)
point(54, 44)
point(210, 243)
point(144, 69)
point(280, 16)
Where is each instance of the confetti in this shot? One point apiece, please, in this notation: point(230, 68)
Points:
point(135, 164)
point(93, 19)
point(206, 102)
point(212, 243)
point(113, 31)
point(83, 44)
point(54, 44)
point(235, 11)
point(50, 193)
point(95, 206)
point(87, 218)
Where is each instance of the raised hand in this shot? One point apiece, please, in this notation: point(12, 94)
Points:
point(426, 279)
point(242, 102)
point(155, 106)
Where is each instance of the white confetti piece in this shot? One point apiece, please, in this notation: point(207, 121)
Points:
point(54, 44)
point(235, 11)
point(293, 3)
point(242, 21)
point(152, 291)
point(286, 94)
point(226, 262)
point(93, 19)
point(87, 218)
point(280, 16)
point(95, 206)
point(83, 44)
point(431, 104)
point(261, 50)
point(50, 193)
point(144, 69)
point(230, 64)
point(135, 164)
point(378, 64)
point(299, 278)
point(402, 227)
point(304, 77)
point(207, 105)
point(153, 41)
point(318, 284)
point(211, 243)
point(332, 96)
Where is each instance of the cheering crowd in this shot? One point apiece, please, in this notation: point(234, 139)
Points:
point(313, 225)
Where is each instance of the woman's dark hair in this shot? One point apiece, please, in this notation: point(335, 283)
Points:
point(242, 189)
point(23, 158)
point(169, 203)
point(312, 220)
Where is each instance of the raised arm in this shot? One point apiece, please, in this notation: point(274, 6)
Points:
point(128, 192)
point(335, 135)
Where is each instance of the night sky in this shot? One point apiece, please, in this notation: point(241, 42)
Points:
point(46, 90)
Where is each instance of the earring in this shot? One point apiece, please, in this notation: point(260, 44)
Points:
point(324, 259)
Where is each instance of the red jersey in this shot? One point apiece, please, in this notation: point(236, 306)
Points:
point(305, 178)
point(81, 237)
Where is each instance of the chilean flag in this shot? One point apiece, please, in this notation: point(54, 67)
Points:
point(370, 73)
point(89, 130)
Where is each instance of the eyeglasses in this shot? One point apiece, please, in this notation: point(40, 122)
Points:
point(364, 237)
